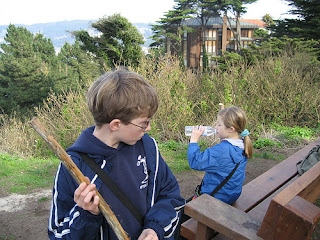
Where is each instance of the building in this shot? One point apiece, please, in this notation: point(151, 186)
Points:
point(218, 37)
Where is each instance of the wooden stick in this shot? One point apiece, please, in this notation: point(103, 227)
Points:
point(79, 177)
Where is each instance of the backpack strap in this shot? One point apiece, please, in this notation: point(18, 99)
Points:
point(225, 180)
point(113, 187)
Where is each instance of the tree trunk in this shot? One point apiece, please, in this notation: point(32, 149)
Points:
point(238, 35)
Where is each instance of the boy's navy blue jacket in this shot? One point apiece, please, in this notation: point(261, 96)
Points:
point(147, 181)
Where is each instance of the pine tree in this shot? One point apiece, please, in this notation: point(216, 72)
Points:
point(77, 67)
point(24, 69)
point(117, 41)
point(169, 29)
point(307, 23)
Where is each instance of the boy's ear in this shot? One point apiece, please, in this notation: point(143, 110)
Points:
point(115, 124)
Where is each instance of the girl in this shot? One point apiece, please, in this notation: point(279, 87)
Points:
point(226, 159)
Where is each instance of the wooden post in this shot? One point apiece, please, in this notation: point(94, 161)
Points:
point(224, 34)
point(79, 177)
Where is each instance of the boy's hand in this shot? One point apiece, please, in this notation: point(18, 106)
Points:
point(148, 234)
point(197, 131)
point(86, 198)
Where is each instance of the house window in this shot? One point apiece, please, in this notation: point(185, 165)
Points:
point(185, 35)
point(210, 34)
point(211, 47)
point(244, 33)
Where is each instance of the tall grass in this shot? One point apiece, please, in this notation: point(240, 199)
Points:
point(279, 90)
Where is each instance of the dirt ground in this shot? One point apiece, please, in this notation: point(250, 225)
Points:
point(26, 216)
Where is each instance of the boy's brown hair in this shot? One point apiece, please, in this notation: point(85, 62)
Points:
point(121, 95)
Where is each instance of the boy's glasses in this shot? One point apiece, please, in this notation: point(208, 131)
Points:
point(143, 128)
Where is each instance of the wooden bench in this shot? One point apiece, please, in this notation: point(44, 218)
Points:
point(276, 205)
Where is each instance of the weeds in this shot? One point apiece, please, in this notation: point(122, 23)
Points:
point(269, 155)
point(264, 142)
point(278, 91)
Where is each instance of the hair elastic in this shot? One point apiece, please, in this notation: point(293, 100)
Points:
point(245, 133)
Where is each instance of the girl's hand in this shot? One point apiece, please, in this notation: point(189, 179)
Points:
point(197, 131)
point(86, 198)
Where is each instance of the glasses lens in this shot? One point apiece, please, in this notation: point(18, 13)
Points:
point(147, 124)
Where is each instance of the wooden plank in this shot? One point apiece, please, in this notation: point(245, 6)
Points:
point(260, 210)
point(258, 189)
point(299, 219)
point(204, 232)
point(306, 186)
point(223, 218)
point(296, 221)
point(221, 237)
point(189, 229)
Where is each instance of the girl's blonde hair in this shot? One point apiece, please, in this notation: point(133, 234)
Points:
point(235, 117)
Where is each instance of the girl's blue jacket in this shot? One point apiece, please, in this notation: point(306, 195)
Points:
point(163, 201)
point(218, 162)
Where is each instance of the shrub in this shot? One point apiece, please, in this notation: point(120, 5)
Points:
point(276, 90)
point(264, 142)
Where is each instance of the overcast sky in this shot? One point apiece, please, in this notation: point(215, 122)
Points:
point(136, 11)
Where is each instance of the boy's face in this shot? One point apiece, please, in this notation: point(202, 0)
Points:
point(134, 131)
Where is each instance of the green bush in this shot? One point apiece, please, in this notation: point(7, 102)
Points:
point(294, 132)
point(276, 90)
point(264, 142)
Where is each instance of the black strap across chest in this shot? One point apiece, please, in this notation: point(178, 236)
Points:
point(113, 187)
point(225, 180)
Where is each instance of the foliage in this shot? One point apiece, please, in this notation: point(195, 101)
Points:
point(30, 69)
point(266, 154)
point(169, 29)
point(265, 142)
point(80, 66)
point(294, 132)
point(170, 81)
point(281, 136)
point(277, 90)
point(268, 20)
point(25, 65)
point(65, 115)
point(271, 47)
point(259, 32)
point(17, 137)
point(306, 24)
point(117, 42)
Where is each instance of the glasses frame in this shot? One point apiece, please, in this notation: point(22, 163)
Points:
point(143, 128)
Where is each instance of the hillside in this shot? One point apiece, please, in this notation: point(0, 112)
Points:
point(59, 32)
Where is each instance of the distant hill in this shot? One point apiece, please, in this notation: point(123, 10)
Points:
point(58, 32)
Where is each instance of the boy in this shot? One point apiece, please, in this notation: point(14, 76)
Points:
point(122, 104)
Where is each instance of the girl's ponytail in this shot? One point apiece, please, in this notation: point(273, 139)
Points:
point(247, 146)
